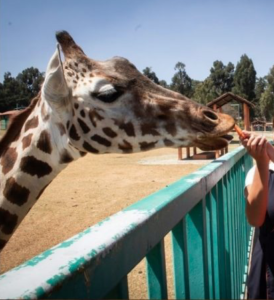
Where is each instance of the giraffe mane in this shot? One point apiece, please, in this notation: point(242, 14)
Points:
point(15, 125)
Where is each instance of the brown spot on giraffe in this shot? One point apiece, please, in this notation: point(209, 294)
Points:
point(44, 143)
point(82, 153)
point(126, 147)
point(32, 123)
point(82, 113)
point(8, 221)
point(34, 166)
point(100, 140)
point(76, 106)
point(26, 141)
point(94, 116)
point(171, 128)
point(16, 193)
point(128, 128)
point(109, 132)
point(168, 143)
point(83, 126)
point(89, 148)
point(149, 128)
point(144, 146)
point(8, 160)
point(73, 133)
point(65, 157)
point(61, 128)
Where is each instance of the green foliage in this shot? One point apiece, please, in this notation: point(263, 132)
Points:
point(260, 87)
point(203, 92)
point(181, 82)
point(18, 92)
point(222, 78)
point(267, 97)
point(245, 78)
point(151, 75)
point(164, 84)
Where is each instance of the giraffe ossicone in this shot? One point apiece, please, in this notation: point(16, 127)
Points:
point(88, 106)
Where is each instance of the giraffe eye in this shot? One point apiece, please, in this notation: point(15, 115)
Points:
point(109, 96)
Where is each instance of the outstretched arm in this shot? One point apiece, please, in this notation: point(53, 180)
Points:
point(257, 192)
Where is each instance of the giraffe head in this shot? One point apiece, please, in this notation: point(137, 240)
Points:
point(109, 106)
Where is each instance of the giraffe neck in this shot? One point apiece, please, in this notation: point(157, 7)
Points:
point(29, 163)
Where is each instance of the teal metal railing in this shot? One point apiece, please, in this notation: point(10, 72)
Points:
point(205, 213)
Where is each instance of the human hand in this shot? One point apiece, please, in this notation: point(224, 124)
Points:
point(257, 147)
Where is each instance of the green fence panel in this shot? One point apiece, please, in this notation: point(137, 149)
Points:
point(210, 236)
point(215, 242)
point(180, 262)
point(156, 272)
point(198, 284)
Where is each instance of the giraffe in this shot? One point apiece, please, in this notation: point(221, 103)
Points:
point(87, 106)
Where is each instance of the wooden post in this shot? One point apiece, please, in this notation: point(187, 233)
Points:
point(180, 153)
point(187, 152)
point(194, 150)
point(246, 117)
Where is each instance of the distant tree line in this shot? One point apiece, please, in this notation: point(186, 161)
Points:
point(223, 78)
point(17, 92)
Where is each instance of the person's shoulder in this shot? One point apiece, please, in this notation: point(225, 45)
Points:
point(250, 176)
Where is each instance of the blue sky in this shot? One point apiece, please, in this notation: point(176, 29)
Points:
point(152, 33)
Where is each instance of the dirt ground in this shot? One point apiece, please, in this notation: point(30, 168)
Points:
point(89, 190)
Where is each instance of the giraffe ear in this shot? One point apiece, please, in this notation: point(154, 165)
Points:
point(55, 89)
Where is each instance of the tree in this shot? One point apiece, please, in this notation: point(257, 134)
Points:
point(203, 91)
point(164, 84)
point(18, 92)
point(181, 82)
point(245, 78)
point(260, 87)
point(151, 75)
point(267, 97)
point(222, 78)
point(9, 92)
point(30, 81)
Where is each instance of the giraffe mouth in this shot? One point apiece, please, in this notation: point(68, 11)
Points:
point(213, 143)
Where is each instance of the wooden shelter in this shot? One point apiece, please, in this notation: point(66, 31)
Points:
point(217, 104)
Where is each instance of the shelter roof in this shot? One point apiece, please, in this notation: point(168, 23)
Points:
point(255, 122)
point(226, 98)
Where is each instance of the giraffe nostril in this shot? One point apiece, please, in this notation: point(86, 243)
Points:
point(210, 115)
point(162, 117)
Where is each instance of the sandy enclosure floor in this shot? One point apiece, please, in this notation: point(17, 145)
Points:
point(89, 190)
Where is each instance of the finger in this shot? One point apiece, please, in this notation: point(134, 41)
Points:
point(262, 141)
point(247, 133)
point(250, 140)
